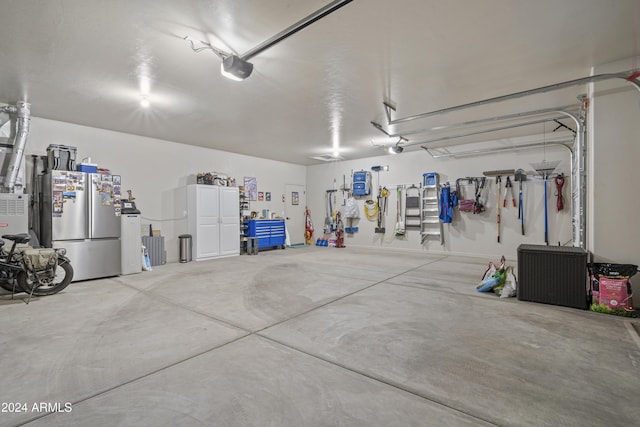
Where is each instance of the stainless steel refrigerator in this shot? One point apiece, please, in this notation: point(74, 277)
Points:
point(81, 213)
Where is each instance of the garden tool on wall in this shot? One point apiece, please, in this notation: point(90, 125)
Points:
point(400, 228)
point(508, 189)
point(499, 174)
point(520, 176)
point(344, 189)
point(332, 212)
point(382, 208)
point(545, 169)
point(478, 206)
point(327, 209)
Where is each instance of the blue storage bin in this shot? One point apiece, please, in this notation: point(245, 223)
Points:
point(429, 178)
point(361, 183)
point(87, 168)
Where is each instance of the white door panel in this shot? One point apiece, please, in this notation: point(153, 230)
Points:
point(295, 197)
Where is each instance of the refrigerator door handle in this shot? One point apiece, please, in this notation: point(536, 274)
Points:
point(89, 200)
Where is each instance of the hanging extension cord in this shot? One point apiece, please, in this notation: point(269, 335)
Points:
point(371, 210)
point(559, 181)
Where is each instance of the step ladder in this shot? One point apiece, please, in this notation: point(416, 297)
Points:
point(430, 225)
point(412, 217)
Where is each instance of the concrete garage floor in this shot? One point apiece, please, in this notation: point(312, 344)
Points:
point(313, 337)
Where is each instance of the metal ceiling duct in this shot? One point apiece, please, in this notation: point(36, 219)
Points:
point(21, 113)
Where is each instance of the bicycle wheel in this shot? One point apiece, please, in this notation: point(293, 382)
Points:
point(62, 278)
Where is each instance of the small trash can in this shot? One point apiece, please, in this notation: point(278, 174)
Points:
point(185, 247)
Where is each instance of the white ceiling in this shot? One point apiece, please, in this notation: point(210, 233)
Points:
point(84, 62)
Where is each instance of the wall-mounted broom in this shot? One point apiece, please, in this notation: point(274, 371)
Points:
point(546, 168)
point(520, 176)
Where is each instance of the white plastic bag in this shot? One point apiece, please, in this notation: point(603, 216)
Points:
point(490, 271)
point(510, 286)
point(351, 209)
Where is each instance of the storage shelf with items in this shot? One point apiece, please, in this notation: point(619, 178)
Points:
point(245, 213)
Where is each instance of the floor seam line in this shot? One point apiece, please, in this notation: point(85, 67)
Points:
point(171, 365)
point(634, 334)
point(376, 379)
point(337, 299)
point(169, 301)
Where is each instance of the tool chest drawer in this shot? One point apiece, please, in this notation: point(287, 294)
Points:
point(269, 232)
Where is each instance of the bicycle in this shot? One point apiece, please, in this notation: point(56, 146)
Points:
point(36, 271)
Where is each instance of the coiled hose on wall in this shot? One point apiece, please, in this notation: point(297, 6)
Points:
point(371, 210)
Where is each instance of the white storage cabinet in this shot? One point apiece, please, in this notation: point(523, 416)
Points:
point(213, 220)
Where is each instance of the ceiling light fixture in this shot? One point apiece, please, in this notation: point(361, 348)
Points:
point(144, 102)
point(237, 67)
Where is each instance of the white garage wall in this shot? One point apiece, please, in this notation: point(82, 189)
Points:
point(158, 171)
point(614, 147)
point(468, 234)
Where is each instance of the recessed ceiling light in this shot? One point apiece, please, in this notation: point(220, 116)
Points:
point(327, 157)
point(144, 102)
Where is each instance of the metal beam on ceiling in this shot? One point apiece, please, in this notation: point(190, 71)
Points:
point(292, 29)
point(629, 76)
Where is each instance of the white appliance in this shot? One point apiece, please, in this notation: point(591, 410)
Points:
point(14, 213)
point(130, 244)
point(213, 220)
point(80, 212)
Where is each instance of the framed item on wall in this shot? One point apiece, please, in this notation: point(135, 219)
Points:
point(267, 196)
point(295, 198)
point(260, 196)
point(251, 187)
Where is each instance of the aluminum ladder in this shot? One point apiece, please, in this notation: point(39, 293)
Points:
point(430, 225)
